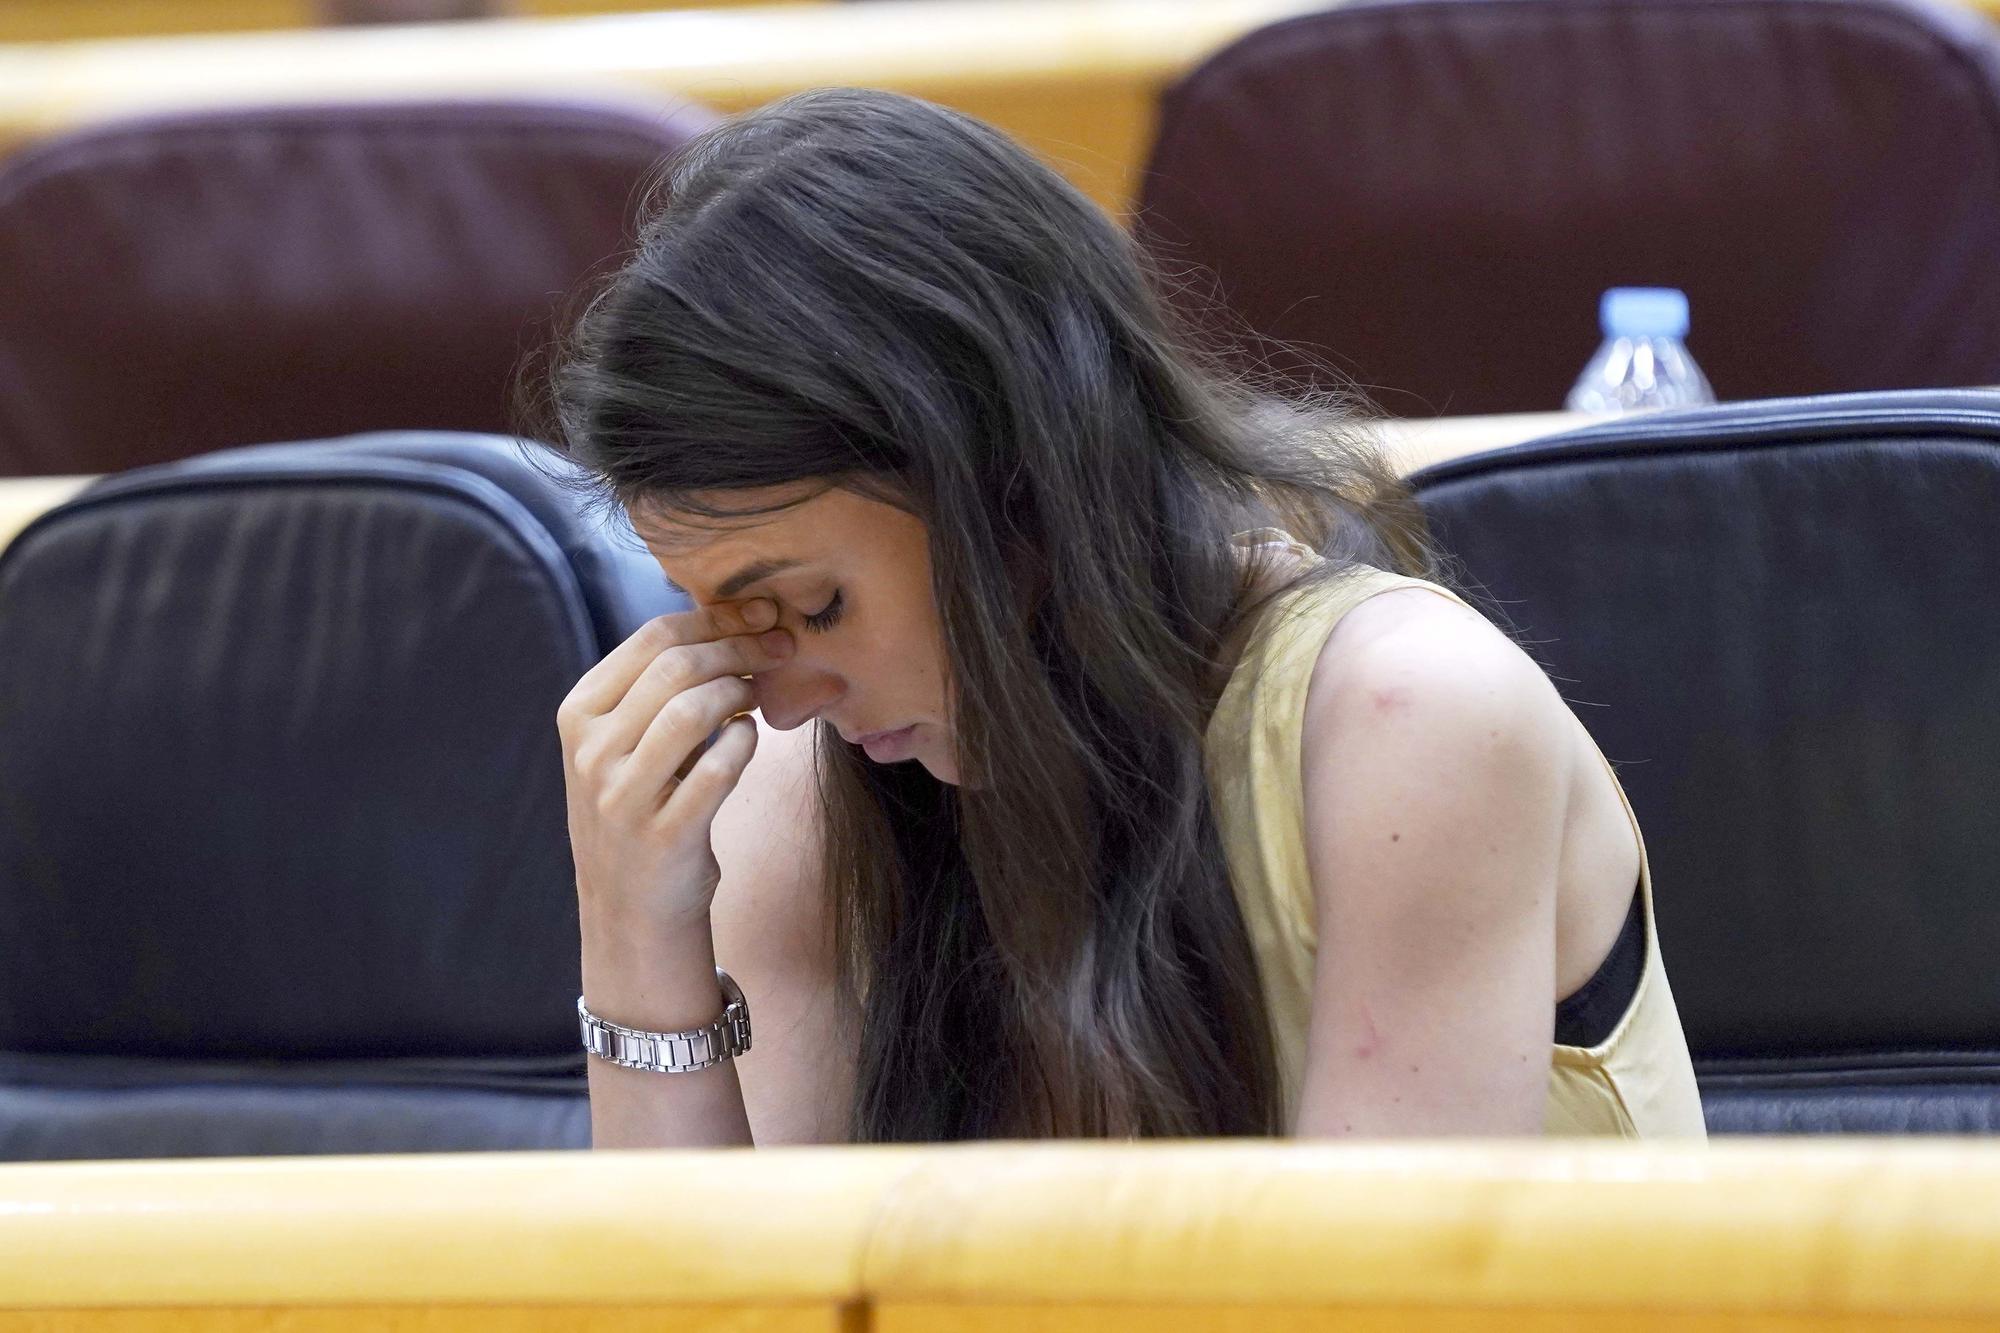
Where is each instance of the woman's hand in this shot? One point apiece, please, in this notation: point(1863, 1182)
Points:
point(643, 782)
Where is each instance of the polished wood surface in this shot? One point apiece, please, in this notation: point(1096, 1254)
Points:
point(69, 20)
point(1413, 443)
point(1747, 1235)
point(1077, 80)
point(22, 499)
point(82, 20)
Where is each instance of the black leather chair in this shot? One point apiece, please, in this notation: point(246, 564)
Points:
point(283, 854)
point(1781, 621)
point(1430, 195)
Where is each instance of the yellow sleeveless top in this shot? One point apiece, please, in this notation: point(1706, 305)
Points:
point(1637, 1083)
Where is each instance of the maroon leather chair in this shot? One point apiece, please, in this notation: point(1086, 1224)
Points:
point(187, 282)
point(1429, 195)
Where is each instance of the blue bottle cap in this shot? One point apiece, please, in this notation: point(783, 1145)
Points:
point(1643, 312)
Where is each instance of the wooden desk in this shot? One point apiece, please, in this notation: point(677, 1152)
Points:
point(1786, 1234)
point(84, 20)
point(23, 498)
point(1413, 444)
point(1077, 80)
point(79, 20)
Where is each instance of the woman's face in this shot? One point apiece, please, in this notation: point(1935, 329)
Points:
point(851, 578)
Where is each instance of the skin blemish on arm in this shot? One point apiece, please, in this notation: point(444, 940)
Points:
point(1371, 1040)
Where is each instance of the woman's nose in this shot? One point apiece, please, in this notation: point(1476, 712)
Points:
point(788, 696)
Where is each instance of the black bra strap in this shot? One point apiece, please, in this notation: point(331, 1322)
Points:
point(1591, 1013)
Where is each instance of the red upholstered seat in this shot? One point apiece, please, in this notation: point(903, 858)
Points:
point(186, 282)
point(1433, 193)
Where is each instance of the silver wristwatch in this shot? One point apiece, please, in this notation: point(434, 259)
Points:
point(672, 1052)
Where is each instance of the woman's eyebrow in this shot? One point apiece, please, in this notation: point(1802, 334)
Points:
point(751, 573)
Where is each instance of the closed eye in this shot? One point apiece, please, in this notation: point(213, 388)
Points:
point(826, 618)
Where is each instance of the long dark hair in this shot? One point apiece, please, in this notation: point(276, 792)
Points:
point(861, 288)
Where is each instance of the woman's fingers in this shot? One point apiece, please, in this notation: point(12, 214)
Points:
point(605, 685)
point(669, 743)
point(693, 802)
point(678, 670)
point(639, 835)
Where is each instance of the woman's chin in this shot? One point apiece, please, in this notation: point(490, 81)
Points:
point(943, 768)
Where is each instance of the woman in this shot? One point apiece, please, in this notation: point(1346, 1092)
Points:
point(1152, 791)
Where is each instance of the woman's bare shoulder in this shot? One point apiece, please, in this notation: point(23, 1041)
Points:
point(1436, 773)
point(1417, 693)
point(1414, 639)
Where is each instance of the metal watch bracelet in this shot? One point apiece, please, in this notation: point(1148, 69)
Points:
point(672, 1052)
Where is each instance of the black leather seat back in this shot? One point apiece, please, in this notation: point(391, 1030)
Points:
point(1781, 622)
point(281, 795)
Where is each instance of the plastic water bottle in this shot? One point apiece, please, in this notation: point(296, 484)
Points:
point(1643, 363)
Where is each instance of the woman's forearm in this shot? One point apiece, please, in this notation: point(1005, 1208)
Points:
point(659, 982)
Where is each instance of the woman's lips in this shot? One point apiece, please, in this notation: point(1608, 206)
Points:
point(888, 747)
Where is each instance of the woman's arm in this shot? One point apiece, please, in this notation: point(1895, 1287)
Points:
point(1436, 758)
point(767, 926)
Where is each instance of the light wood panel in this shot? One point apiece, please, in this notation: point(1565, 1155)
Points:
point(23, 499)
point(77, 20)
point(1171, 1237)
point(70, 20)
point(1077, 80)
point(1413, 442)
